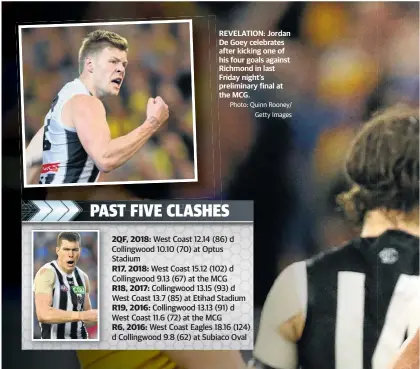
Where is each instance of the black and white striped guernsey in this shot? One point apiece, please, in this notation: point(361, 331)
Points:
point(349, 307)
point(64, 160)
point(69, 292)
point(358, 296)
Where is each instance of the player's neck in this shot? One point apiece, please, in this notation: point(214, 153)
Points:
point(377, 222)
point(89, 84)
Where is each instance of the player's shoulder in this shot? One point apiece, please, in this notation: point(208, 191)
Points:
point(78, 95)
point(333, 256)
point(46, 271)
point(294, 269)
point(295, 276)
point(292, 277)
point(47, 266)
point(80, 271)
point(86, 104)
point(82, 274)
point(75, 86)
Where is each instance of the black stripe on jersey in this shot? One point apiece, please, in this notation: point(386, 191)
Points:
point(94, 174)
point(78, 278)
point(45, 331)
point(76, 159)
point(319, 331)
point(61, 328)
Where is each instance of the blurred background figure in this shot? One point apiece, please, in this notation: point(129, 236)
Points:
point(44, 246)
point(159, 65)
point(348, 59)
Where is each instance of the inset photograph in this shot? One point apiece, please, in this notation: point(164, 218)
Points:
point(107, 103)
point(65, 285)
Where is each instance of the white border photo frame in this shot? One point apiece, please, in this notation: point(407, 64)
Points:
point(22, 103)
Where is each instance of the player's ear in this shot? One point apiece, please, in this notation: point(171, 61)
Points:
point(89, 64)
point(56, 250)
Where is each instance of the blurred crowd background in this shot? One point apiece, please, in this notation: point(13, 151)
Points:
point(348, 59)
point(159, 65)
point(44, 252)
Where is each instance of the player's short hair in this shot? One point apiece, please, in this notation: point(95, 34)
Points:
point(98, 40)
point(68, 236)
point(382, 164)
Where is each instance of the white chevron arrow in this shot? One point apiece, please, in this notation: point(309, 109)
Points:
point(73, 210)
point(44, 210)
point(58, 210)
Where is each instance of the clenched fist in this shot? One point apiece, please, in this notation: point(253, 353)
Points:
point(157, 111)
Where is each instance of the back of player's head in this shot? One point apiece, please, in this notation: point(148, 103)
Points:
point(68, 236)
point(383, 164)
point(98, 40)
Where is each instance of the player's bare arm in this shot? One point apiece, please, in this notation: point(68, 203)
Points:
point(34, 157)
point(87, 304)
point(44, 282)
point(208, 359)
point(91, 314)
point(409, 355)
point(87, 115)
point(282, 320)
point(34, 150)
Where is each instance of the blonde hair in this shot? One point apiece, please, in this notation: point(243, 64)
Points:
point(97, 41)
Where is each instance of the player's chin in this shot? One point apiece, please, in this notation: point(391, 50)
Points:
point(114, 90)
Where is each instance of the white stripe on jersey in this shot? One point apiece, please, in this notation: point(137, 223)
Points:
point(349, 320)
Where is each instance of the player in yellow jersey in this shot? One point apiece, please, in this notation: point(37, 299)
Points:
point(156, 359)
